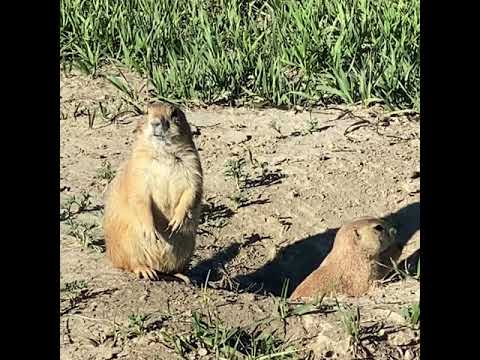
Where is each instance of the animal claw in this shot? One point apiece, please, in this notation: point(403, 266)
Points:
point(146, 273)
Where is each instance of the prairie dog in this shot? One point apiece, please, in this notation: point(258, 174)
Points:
point(152, 207)
point(361, 254)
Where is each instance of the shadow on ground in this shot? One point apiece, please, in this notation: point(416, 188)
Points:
point(297, 260)
point(213, 268)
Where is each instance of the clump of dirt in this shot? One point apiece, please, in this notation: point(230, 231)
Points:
point(278, 184)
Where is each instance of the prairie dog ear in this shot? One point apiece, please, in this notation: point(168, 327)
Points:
point(150, 106)
point(392, 232)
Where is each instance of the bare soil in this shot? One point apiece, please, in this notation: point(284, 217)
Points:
point(320, 169)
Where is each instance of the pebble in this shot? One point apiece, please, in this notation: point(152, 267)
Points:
point(202, 352)
point(409, 355)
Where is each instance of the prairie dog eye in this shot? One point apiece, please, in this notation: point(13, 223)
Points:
point(176, 116)
point(378, 227)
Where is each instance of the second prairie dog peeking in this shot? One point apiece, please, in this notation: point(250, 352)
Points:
point(152, 207)
point(361, 254)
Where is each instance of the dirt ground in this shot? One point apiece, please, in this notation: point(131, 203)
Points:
point(307, 173)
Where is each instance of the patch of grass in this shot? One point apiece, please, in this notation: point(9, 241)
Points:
point(278, 52)
point(239, 198)
point(105, 172)
point(286, 310)
point(235, 169)
point(282, 305)
point(133, 95)
point(75, 205)
point(350, 319)
point(263, 175)
point(211, 336)
point(91, 118)
point(137, 325)
point(204, 292)
point(312, 126)
point(74, 292)
point(403, 273)
point(411, 314)
point(75, 285)
point(215, 215)
point(275, 126)
point(86, 234)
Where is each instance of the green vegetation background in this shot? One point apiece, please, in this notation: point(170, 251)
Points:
point(277, 52)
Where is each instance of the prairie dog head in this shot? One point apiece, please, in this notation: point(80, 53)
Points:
point(165, 124)
point(373, 236)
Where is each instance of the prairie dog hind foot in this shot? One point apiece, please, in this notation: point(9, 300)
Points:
point(144, 272)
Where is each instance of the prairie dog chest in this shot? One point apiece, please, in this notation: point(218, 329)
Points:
point(167, 180)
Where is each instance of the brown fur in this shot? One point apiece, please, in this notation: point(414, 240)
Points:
point(152, 206)
point(360, 255)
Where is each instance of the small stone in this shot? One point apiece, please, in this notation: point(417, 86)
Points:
point(105, 353)
point(412, 186)
point(122, 354)
point(409, 355)
point(298, 108)
point(399, 339)
point(195, 130)
point(293, 194)
point(202, 352)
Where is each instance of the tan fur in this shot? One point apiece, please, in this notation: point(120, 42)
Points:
point(152, 206)
point(360, 255)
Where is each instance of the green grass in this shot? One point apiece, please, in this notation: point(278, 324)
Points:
point(73, 286)
point(286, 310)
point(276, 52)
point(86, 234)
point(106, 172)
point(234, 168)
point(137, 325)
point(411, 313)
point(211, 336)
point(74, 205)
point(350, 318)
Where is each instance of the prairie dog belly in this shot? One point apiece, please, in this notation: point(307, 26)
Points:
point(167, 183)
point(170, 252)
point(169, 255)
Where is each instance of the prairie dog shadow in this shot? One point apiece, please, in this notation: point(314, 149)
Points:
point(295, 262)
point(210, 267)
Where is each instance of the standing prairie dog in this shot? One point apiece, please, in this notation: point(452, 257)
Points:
point(152, 207)
point(361, 253)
